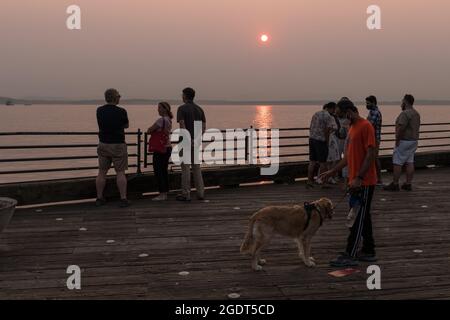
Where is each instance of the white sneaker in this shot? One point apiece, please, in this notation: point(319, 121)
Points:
point(161, 197)
point(319, 181)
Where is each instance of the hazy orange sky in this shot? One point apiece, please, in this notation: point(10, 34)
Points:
point(319, 49)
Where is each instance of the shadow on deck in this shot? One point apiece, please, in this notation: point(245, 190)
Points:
point(204, 239)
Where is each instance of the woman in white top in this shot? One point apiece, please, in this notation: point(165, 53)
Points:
point(334, 154)
point(161, 159)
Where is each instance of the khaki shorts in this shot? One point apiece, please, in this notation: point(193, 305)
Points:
point(112, 154)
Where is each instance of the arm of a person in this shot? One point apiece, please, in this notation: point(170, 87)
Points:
point(399, 131)
point(98, 120)
point(368, 160)
point(400, 127)
point(126, 121)
point(341, 165)
point(203, 122)
point(153, 128)
point(180, 119)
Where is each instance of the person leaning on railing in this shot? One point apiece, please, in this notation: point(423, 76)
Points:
point(112, 149)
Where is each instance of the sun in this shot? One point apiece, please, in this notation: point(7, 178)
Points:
point(264, 38)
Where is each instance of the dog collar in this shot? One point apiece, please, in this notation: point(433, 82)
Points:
point(309, 208)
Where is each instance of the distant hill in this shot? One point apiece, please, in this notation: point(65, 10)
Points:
point(3, 101)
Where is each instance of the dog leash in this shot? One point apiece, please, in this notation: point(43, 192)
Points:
point(347, 193)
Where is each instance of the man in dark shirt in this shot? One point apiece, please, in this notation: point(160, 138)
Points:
point(112, 149)
point(187, 115)
point(376, 119)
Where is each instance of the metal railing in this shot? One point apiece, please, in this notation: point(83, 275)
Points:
point(293, 146)
point(137, 155)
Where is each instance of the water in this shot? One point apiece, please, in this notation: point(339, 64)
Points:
point(82, 118)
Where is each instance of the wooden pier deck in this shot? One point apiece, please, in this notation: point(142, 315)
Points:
point(204, 239)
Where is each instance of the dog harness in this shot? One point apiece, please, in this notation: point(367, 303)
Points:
point(309, 209)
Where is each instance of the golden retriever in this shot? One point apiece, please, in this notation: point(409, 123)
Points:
point(290, 221)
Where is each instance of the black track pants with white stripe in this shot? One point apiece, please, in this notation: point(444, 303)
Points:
point(362, 228)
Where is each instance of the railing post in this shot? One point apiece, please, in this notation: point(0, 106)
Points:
point(249, 146)
point(145, 150)
point(246, 146)
point(139, 151)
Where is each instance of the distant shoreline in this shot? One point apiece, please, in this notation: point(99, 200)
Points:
point(4, 100)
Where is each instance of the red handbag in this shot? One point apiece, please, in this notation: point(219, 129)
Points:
point(158, 140)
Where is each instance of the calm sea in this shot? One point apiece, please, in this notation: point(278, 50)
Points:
point(82, 118)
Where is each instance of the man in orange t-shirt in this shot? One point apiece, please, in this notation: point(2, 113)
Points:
point(360, 158)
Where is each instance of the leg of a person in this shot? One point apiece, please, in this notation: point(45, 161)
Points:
point(378, 164)
point(312, 161)
point(186, 180)
point(409, 172)
point(356, 231)
point(333, 165)
point(198, 180)
point(311, 170)
point(104, 164)
point(397, 173)
point(410, 163)
point(367, 232)
point(399, 160)
point(100, 182)
point(120, 160)
point(165, 171)
point(323, 156)
point(158, 170)
point(323, 167)
point(122, 184)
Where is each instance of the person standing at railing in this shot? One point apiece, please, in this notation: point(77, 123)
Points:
point(334, 156)
point(187, 115)
point(376, 119)
point(342, 135)
point(407, 133)
point(322, 124)
point(161, 147)
point(112, 149)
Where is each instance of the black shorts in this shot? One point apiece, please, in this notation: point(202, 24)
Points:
point(318, 150)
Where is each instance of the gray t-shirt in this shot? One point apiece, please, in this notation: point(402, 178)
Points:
point(189, 113)
point(409, 120)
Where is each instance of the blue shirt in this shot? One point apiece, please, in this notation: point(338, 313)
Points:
point(376, 119)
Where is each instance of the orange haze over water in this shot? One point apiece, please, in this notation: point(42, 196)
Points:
point(317, 49)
